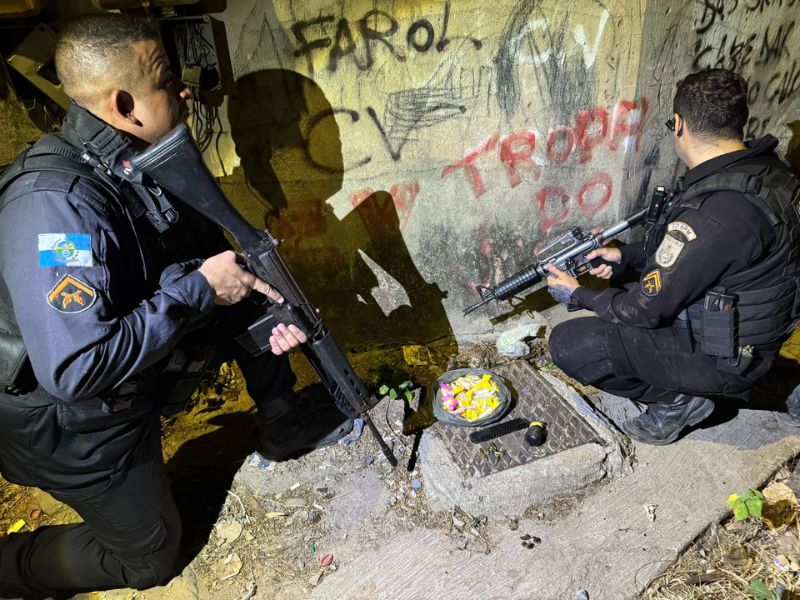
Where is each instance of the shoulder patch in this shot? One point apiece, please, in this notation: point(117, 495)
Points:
point(651, 284)
point(683, 228)
point(668, 251)
point(71, 295)
point(65, 250)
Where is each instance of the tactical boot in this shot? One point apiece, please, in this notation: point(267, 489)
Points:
point(311, 424)
point(662, 424)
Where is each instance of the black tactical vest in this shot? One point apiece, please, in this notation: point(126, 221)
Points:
point(766, 306)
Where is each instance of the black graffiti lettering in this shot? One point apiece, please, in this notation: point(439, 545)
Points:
point(756, 127)
point(739, 54)
point(314, 122)
point(369, 34)
point(395, 154)
point(306, 46)
point(338, 51)
point(699, 54)
point(775, 48)
point(754, 89)
point(411, 38)
point(712, 10)
point(375, 26)
point(782, 86)
point(444, 40)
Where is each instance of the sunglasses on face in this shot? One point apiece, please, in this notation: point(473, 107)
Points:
point(670, 124)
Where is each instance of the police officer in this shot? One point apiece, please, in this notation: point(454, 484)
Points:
point(719, 275)
point(114, 290)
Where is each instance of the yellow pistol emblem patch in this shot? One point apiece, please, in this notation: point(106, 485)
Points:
point(651, 284)
point(71, 295)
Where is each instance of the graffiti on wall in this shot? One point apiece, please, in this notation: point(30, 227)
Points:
point(518, 151)
point(762, 51)
point(561, 54)
point(340, 39)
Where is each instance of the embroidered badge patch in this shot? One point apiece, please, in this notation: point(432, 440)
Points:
point(669, 251)
point(651, 284)
point(71, 295)
point(683, 228)
point(65, 250)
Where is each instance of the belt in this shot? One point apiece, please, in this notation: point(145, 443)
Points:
point(41, 397)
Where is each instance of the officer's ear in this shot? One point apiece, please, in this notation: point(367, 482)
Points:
point(678, 125)
point(121, 106)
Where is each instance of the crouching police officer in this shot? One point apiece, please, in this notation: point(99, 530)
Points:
point(108, 290)
point(718, 292)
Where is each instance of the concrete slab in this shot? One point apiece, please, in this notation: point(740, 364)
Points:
point(607, 544)
point(581, 449)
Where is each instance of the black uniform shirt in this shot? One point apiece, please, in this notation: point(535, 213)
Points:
point(697, 251)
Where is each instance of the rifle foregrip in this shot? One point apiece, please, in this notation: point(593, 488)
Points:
point(517, 283)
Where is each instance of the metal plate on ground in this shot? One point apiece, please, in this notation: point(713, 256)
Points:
point(534, 400)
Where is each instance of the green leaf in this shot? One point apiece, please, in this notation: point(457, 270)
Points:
point(384, 389)
point(751, 494)
point(392, 394)
point(404, 385)
point(755, 506)
point(740, 511)
point(732, 499)
point(761, 591)
point(409, 395)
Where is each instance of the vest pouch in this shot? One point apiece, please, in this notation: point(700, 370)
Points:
point(99, 414)
point(719, 324)
point(182, 376)
point(13, 363)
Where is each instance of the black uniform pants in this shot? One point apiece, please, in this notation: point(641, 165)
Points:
point(642, 364)
point(109, 469)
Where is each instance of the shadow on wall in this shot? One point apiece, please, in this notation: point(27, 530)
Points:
point(291, 163)
point(793, 148)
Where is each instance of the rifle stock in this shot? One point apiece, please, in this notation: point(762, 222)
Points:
point(175, 163)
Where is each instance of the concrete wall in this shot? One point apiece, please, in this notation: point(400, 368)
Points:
point(408, 151)
point(759, 39)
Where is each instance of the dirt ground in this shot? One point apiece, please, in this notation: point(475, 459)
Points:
point(276, 532)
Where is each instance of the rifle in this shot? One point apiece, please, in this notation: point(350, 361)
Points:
point(568, 253)
point(175, 163)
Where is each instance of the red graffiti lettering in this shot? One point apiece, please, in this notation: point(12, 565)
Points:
point(601, 181)
point(358, 197)
point(404, 196)
point(468, 164)
point(515, 150)
point(591, 127)
point(299, 221)
point(552, 140)
point(560, 201)
point(629, 118)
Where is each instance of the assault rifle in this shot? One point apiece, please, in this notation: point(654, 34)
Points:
point(568, 253)
point(175, 163)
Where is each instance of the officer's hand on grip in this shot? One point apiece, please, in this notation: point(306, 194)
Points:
point(284, 338)
point(611, 255)
point(231, 283)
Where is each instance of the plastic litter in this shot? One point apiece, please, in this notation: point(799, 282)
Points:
point(512, 342)
point(258, 461)
point(355, 433)
point(16, 526)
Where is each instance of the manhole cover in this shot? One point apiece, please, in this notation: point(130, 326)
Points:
point(535, 400)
